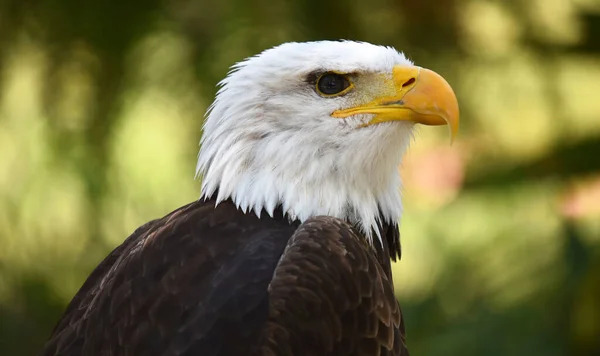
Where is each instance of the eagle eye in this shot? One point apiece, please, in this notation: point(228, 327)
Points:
point(330, 84)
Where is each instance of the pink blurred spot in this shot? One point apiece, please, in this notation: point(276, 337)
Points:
point(435, 174)
point(582, 199)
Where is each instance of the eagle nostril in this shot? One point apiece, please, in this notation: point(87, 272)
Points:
point(408, 82)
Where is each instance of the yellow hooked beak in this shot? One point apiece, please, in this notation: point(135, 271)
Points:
point(414, 94)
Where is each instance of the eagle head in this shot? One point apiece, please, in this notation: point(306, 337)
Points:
point(319, 128)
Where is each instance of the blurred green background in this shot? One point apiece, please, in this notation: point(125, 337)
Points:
point(101, 106)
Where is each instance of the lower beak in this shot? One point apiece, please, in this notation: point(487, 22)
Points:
point(418, 94)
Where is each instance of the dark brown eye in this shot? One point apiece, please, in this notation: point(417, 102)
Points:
point(332, 83)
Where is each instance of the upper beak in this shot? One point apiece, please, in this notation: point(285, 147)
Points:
point(415, 94)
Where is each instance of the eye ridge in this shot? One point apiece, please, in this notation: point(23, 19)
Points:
point(332, 84)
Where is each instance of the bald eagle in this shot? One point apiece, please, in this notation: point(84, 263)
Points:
point(288, 250)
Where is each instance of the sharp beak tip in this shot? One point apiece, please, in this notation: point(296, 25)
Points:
point(433, 95)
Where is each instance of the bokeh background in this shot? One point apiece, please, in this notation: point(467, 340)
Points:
point(101, 106)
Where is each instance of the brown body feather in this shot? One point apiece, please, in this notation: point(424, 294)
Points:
point(208, 280)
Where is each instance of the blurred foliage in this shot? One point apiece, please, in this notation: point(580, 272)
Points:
point(101, 104)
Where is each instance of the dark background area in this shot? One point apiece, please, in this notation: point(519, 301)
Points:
point(101, 107)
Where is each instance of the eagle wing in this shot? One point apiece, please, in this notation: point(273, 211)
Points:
point(331, 296)
point(208, 280)
point(192, 283)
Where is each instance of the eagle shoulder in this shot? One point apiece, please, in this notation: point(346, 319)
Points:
point(331, 296)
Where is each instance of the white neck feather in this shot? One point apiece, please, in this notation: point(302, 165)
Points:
point(308, 177)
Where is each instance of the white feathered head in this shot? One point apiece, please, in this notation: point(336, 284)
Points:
point(319, 128)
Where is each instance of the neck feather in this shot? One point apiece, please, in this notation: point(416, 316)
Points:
point(308, 175)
